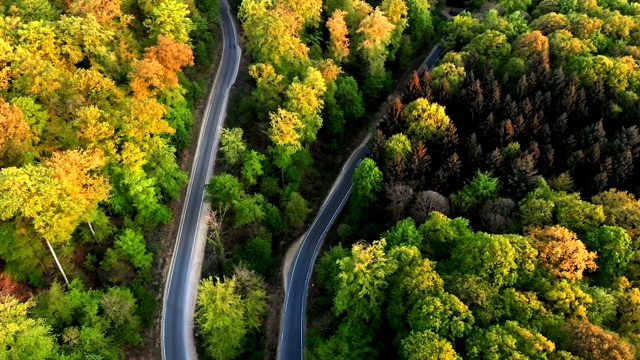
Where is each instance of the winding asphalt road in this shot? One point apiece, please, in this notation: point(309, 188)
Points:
point(184, 273)
point(293, 317)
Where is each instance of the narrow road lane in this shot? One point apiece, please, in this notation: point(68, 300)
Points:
point(293, 317)
point(184, 273)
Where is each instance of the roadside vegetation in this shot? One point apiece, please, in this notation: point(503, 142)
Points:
point(94, 108)
point(317, 73)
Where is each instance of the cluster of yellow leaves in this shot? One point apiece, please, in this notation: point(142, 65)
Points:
point(55, 196)
point(339, 35)
point(15, 133)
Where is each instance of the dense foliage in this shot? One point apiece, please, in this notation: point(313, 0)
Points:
point(93, 109)
point(494, 262)
point(558, 286)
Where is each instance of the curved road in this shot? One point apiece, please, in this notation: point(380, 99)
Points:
point(293, 317)
point(184, 272)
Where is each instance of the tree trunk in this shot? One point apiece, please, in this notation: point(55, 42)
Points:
point(57, 262)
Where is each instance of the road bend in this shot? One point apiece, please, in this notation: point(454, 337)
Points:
point(293, 316)
point(184, 272)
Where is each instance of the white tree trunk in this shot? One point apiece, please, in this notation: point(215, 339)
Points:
point(57, 262)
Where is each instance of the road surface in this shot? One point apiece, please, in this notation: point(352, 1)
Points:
point(184, 272)
point(293, 317)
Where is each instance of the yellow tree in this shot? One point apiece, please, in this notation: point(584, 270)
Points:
point(284, 129)
point(560, 251)
point(269, 87)
point(15, 137)
point(396, 11)
point(375, 34)
point(104, 11)
point(54, 196)
point(273, 35)
point(84, 37)
point(308, 10)
point(338, 35)
point(306, 99)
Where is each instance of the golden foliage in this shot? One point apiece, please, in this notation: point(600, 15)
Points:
point(560, 251)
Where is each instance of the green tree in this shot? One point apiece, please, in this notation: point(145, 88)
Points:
point(367, 182)
point(228, 310)
point(495, 259)
point(404, 232)
point(363, 280)
point(256, 254)
point(224, 190)
point(426, 345)
point(21, 336)
point(353, 339)
point(134, 248)
point(296, 210)
point(444, 315)
point(460, 31)
point(620, 208)
point(398, 145)
point(273, 35)
point(442, 234)
point(248, 210)
point(252, 167)
point(220, 318)
point(328, 270)
point(536, 212)
point(508, 341)
point(578, 215)
point(614, 248)
point(170, 18)
point(483, 187)
point(232, 146)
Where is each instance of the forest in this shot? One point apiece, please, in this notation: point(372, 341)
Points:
point(96, 105)
point(498, 214)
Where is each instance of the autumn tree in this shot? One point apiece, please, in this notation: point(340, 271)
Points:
point(158, 69)
point(305, 98)
point(338, 35)
point(562, 252)
point(269, 87)
point(284, 129)
point(374, 35)
point(426, 120)
point(592, 342)
point(16, 136)
point(272, 33)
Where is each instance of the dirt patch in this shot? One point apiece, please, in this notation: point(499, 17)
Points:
point(18, 290)
point(166, 235)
